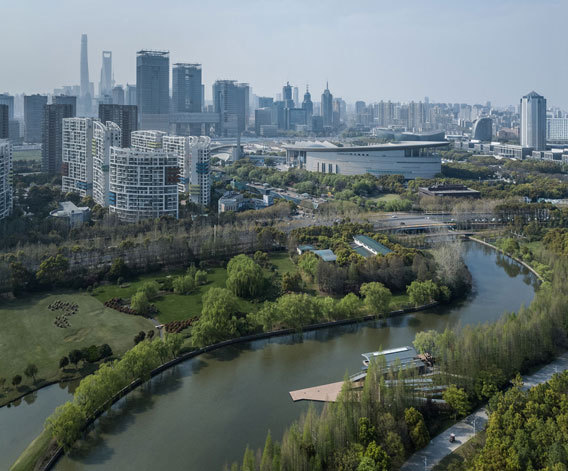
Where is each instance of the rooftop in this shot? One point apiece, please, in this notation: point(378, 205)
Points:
point(326, 255)
point(326, 146)
point(372, 244)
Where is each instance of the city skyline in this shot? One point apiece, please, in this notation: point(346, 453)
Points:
point(451, 53)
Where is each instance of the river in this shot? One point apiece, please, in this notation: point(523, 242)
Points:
point(203, 413)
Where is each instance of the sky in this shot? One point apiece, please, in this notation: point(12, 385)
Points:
point(451, 51)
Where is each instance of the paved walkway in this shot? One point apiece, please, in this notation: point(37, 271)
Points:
point(440, 446)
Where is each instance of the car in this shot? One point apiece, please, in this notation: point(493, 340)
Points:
point(393, 216)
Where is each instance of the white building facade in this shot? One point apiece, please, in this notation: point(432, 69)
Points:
point(142, 184)
point(533, 121)
point(193, 154)
point(77, 157)
point(557, 130)
point(105, 136)
point(5, 178)
point(410, 159)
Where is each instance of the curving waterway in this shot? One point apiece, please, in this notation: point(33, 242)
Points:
point(203, 413)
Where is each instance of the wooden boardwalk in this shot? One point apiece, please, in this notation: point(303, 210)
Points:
point(323, 393)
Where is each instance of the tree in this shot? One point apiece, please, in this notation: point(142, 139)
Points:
point(63, 362)
point(66, 424)
point(184, 284)
point(416, 428)
point(427, 341)
point(291, 282)
point(105, 351)
point(422, 292)
point(52, 270)
point(118, 269)
point(139, 337)
point(308, 263)
point(218, 319)
point(75, 356)
point(377, 297)
point(201, 277)
point(16, 380)
point(261, 258)
point(139, 302)
point(245, 277)
point(348, 307)
point(379, 456)
point(150, 289)
point(457, 399)
point(31, 371)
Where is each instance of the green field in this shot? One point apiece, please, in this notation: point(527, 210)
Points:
point(386, 198)
point(27, 155)
point(174, 307)
point(28, 335)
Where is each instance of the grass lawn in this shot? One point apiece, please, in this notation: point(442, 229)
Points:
point(27, 155)
point(173, 307)
point(28, 335)
point(32, 453)
point(463, 455)
point(386, 198)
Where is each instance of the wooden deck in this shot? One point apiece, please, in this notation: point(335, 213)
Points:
point(323, 393)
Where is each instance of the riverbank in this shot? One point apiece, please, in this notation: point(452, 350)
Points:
point(316, 361)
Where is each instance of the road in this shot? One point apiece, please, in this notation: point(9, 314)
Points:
point(439, 447)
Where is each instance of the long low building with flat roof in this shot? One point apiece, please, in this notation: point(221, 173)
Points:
point(411, 159)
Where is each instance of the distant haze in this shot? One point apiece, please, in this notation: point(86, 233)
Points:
point(450, 51)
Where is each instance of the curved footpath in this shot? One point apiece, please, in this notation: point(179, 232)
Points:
point(440, 446)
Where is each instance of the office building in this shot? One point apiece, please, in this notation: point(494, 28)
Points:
point(193, 157)
point(130, 98)
point(52, 136)
point(106, 82)
point(85, 99)
point(230, 101)
point(153, 89)
point(33, 117)
point(295, 117)
point(4, 122)
point(287, 96)
point(125, 116)
point(410, 159)
point(265, 101)
point(66, 100)
point(187, 88)
point(327, 107)
point(77, 156)
point(105, 135)
point(308, 106)
point(533, 121)
point(5, 178)
point(482, 129)
point(143, 180)
point(8, 100)
point(279, 114)
point(296, 97)
point(262, 117)
point(118, 95)
point(557, 130)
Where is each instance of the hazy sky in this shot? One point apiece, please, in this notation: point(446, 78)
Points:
point(452, 51)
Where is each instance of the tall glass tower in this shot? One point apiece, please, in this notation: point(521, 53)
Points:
point(533, 121)
point(153, 89)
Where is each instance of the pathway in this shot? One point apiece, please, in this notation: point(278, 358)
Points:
point(440, 446)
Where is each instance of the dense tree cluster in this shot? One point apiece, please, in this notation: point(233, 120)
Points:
point(96, 391)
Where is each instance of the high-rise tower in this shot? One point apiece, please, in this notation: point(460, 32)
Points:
point(85, 98)
point(327, 106)
point(153, 89)
point(105, 85)
point(533, 121)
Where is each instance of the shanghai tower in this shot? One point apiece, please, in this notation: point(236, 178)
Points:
point(85, 98)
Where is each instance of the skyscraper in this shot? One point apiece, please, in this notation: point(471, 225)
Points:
point(533, 121)
point(105, 85)
point(186, 88)
point(5, 178)
point(125, 116)
point(327, 106)
point(153, 89)
point(287, 95)
point(105, 136)
point(308, 106)
point(4, 122)
point(66, 100)
point(77, 156)
point(193, 161)
point(52, 136)
point(86, 97)
point(230, 100)
point(8, 100)
point(296, 97)
point(118, 95)
point(130, 98)
point(33, 117)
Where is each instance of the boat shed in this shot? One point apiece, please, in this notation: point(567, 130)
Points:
point(407, 356)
